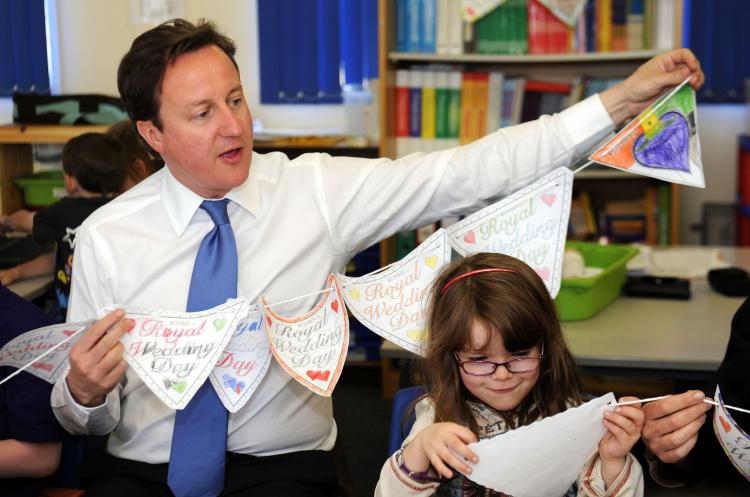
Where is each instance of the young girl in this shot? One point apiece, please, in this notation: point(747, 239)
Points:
point(497, 360)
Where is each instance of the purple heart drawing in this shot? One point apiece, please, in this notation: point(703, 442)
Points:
point(669, 148)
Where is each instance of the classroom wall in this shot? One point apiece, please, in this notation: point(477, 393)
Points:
point(94, 35)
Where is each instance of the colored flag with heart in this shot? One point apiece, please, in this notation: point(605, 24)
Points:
point(43, 351)
point(174, 352)
point(565, 10)
point(392, 302)
point(244, 362)
point(530, 225)
point(473, 10)
point(732, 438)
point(312, 348)
point(661, 142)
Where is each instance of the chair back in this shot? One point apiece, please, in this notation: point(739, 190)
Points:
point(401, 401)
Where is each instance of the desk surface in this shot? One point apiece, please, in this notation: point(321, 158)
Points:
point(31, 288)
point(651, 334)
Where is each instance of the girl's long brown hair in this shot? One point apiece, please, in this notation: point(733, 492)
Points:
point(518, 306)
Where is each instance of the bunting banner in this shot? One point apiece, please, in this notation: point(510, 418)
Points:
point(530, 225)
point(568, 439)
point(473, 10)
point(244, 362)
point(312, 348)
point(392, 302)
point(732, 438)
point(44, 351)
point(662, 142)
point(174, 352)
point(565, 10)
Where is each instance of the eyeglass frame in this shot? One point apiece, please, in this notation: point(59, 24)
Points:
point(498, 364)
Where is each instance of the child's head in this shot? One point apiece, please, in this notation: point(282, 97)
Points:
point(96, 163)
point(140, 164)
point(493, 307)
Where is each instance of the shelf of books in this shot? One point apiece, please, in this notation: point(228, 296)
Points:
point(446, 81)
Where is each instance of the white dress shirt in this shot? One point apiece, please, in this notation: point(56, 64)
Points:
point(295, 221)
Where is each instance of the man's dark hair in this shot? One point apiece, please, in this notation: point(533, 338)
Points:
point(96, 161)
point(141, 71)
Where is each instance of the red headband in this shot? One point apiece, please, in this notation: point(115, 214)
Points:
point(472, 273)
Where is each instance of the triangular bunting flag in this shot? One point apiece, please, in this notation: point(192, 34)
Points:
point(43, 350)
point(530, 225)
point(244, 362)
point(732, 438)
point(312, 348)
point(392, 302)
point(662, 142)
point(565, 10)
point(569, 439)
point(174, 352)
point(473, 10)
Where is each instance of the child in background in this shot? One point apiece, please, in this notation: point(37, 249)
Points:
point(141, 164)
point(94, 167)
point(30, 438)
point(497, 360)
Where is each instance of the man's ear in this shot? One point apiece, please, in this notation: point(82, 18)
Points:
point(151, 134)
point(71, 184)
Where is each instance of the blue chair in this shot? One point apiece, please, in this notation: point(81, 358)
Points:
point(401, 401)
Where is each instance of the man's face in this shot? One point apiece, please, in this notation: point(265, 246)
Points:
point(206, 138)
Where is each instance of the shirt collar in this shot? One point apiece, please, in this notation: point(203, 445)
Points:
point(181, 202)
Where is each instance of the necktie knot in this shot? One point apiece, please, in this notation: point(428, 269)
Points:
point(217, 209)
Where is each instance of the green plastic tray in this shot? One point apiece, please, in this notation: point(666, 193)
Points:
point(42, 189)
point(581, 298)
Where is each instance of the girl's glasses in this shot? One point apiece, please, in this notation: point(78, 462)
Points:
point(486, 368)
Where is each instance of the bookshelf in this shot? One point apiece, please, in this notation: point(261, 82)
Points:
point(566, 66)
point(16, 158)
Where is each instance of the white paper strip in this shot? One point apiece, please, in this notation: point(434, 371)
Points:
point(312, 348)
point(392, 302)
point(530, 225)
point(732, 438)
point(174, 352)
point(43, 350)
point(545, 458)
point(244, 362)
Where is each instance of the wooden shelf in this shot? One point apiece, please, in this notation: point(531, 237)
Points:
point(41, 133)
point(562, 58)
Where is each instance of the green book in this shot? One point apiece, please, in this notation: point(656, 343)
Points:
point(663, 213)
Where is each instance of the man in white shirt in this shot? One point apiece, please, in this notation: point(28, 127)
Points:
point(295, 221)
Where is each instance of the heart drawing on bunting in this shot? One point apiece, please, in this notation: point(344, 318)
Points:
point(174, 352)
point(312, 348)
point(668, 149)
point(417, 335)
point(431, 261)
point(724, 424)
point(543, 273)
point(549, 198)
point(469, 237)
point(354, 293)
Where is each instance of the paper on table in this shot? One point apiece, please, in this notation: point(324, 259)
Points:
point(547, 456)
point(687, 262)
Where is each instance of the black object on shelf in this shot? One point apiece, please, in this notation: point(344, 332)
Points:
point(657, 287)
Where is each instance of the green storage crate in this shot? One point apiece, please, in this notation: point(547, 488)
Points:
point(42, 189)
point(581, 298)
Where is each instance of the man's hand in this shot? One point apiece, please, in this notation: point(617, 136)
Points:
point(96, 362)
point(649, 81)
point(671, 425)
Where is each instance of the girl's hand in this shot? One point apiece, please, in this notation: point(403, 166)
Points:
point(623, 431)
point(442, 446)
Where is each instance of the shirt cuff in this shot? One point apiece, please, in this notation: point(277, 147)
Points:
point(587, 123)
point(406, 481)
point(74, 417)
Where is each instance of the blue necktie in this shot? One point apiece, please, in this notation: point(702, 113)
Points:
point(199, 439)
